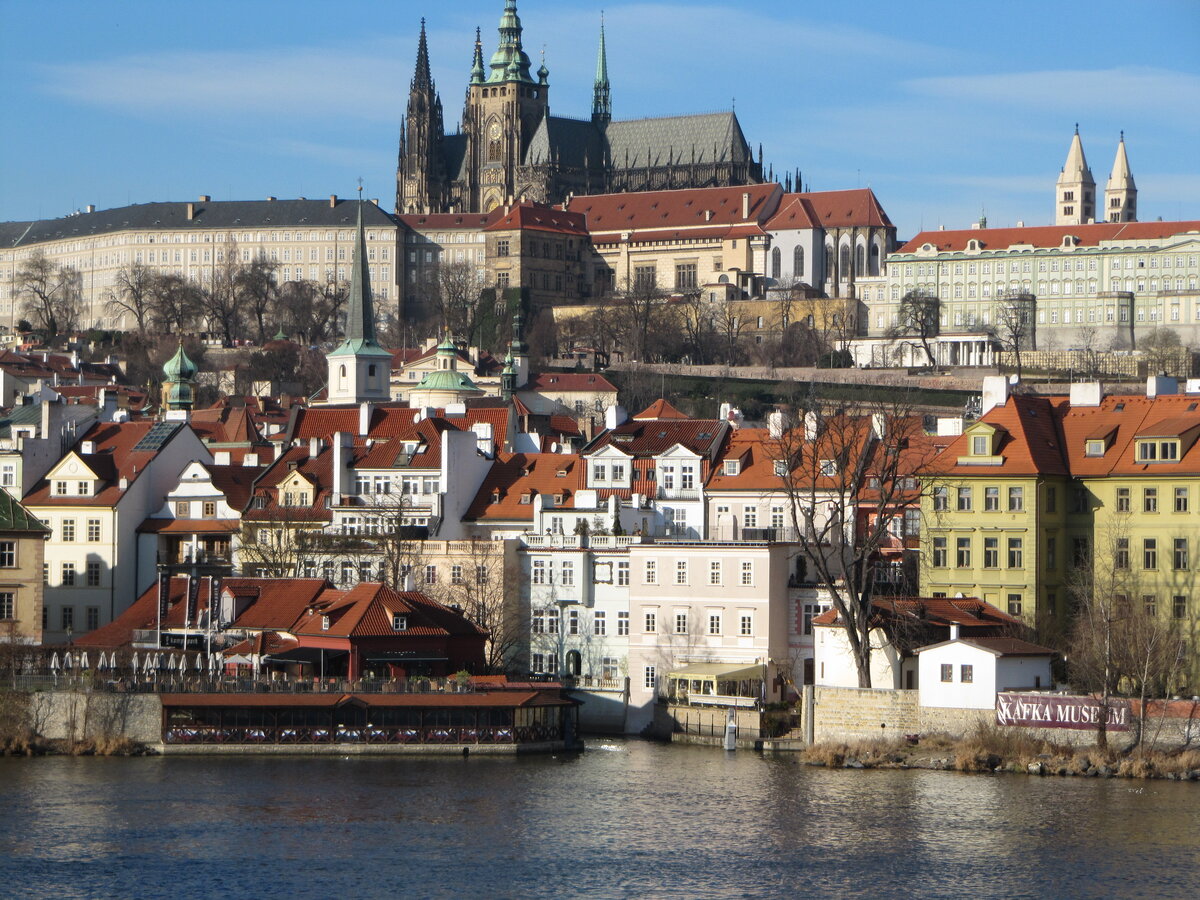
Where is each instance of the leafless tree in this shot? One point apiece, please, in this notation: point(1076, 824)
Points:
point(132, 294)
point(486, 592)
point(850, 475)
point(254, 287)
point(174, 303)
point(1163, 350)
point(919, 318)
point(220, 300)
point(310, 308)
point(51, 294)
point(1015, 329)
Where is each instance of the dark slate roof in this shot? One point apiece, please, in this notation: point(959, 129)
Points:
point(674, 137)
point(570, 141)
point(15, 517)
point(454, 152)
point(172, 216)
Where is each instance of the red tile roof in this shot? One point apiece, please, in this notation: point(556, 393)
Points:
point(529, 216)
point(654, 436)
point(683, 213)
point(523, 475)
point(966, 612)
point(1048, 235)
point(659, 409)
point(567, 381)
point(1031, 440)
point(857, 206)
point(366, 610)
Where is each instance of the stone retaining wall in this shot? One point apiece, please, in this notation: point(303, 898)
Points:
point(848, 714)
point(82, 715)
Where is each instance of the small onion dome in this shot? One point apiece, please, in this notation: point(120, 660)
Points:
point(543, 73)
point(179, 367)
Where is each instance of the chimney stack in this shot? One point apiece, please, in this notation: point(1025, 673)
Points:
point(191, 211)
point(332, 200)
point(205, 198)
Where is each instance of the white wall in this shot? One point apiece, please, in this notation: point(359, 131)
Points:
point(835, 666)
point(989, 673)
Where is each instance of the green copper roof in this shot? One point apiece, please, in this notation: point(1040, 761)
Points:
point(444, 380)
point(477, 75)
point(510, 62)
point(179, 367)
point(15, 517)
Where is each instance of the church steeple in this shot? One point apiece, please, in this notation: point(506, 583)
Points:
point(179, 389)
point(422, 77)
point(477, 74)
point(510, 62)
point(420, 182)
point(359, 368)
point(1075, 193)
point(1120, 194)
point(601, 101)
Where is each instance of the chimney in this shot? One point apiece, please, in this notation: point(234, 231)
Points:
point(1086, 393)
point(270, 199)
point(222, 458)
point(364, 418)
point(1020, 223)
point(191, 211)
point(87, 448)
point(812, 426)
point(314, 447)
point(949, 426)
point(1161, 386)
point(995, 392)
point(775, 424)
point(343, 449)
point(108, 404)
point(954, 631)
point(332, 200)
point(615, 415)
point(746, 205)
point(879, 425)
point(408, 581)
point(205, 198)
point(91, 207)
point(250, 460)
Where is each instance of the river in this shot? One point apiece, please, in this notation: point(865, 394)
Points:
point(624, 819)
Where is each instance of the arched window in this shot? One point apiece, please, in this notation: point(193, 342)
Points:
point(828, 261)
point(860, 261)
point(798, 262)
point(844, 263)
point(776, 263)
point(342, 375)
point(722, 279)
point(874, 259)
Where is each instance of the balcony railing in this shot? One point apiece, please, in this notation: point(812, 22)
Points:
point(777, 534)
point(552, 541)
point(680, 493)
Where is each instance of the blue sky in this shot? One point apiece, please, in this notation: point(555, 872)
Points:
point(945, 109)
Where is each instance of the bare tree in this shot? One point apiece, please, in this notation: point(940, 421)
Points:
point(254, 287)
point(850, 476)
point(486, 594)
point(51, 294)
point(1015, 329)
point(174, 303)
point(453, 289)
point(132, 294)
point(219, 298)
point(310, 308)
point(1163, 350)
point(919, 317)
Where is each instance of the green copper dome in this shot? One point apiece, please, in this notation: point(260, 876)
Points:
point(179, 367)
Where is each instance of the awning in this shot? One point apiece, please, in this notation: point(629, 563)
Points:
point(400, 656)
point(310, 655)
point(720, 672)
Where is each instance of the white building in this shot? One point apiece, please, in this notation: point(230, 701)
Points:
point(967, 673)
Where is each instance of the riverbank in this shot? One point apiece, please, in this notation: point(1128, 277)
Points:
point(991, 751)
point(39, 746)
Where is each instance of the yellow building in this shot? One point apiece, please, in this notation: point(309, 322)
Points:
point(21, 553)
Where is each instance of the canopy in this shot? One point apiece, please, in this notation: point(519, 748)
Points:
point(720, 672)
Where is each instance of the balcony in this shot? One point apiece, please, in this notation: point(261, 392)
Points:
point(552, 541)
point(771, 535)
point(681, 493)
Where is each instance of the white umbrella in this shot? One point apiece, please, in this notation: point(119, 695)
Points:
point(199, 663)
point(149, 665)
point(54, 662)
point(133, 662)
point(171, 663)
point(83, 660)
point(102, 662)
point(67, 661)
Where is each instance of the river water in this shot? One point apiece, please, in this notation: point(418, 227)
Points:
point(624, 819)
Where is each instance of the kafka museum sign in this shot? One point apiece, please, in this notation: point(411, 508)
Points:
point(1050, 711)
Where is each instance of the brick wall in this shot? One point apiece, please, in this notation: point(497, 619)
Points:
point(846, 714)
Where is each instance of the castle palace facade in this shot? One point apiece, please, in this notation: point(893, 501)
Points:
point(511, 148)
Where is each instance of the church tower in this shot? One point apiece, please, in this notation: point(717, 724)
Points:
point(503, 109)
point(1120, 194)
point(420, 181)
point(359, 369)
point(601, 101)
point(1075, 194)
point(179, 385)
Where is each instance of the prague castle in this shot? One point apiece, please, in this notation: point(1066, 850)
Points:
point(510, 147)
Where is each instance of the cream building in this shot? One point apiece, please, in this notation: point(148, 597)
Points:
point(309, 240)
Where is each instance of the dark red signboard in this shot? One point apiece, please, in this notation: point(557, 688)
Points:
point(1054, 711)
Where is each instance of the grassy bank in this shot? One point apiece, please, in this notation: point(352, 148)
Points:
point(992, 750)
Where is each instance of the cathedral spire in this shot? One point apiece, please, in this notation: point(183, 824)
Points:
point(477, 75)
point(510, 62)
point(360, 319)
point(1075, 193)
point(601, 100)
point(422, 77)
point(1120, 194)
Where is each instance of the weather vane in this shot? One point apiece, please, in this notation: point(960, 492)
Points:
point(360, 185)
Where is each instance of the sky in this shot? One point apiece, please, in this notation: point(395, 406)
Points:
point(948, 110)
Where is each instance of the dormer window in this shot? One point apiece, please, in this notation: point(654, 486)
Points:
point(60, 488)
point(981, 445)
point(599, 472)
point(732, 466)
point(780, 468)
point(496, 496)
point(84, 488)
point(399, 622)
point(324, 623)
point(1093, 448)
point(526, 499)
point(1157, 451)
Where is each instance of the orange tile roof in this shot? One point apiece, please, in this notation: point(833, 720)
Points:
point(688, 211)
point(1031, 440)
point(528, 216)
point(1048, 235)
point(659, 409)
point(1125, 418)
point(518, 475)
point(567, 381)
point(966, 612)
point(366, 610)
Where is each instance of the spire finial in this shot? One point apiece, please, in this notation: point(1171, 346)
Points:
point(1122, 135)
point(1077, 128)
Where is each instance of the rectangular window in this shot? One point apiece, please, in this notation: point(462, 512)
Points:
point(93, 530)
point(1081, 552)
point(210, 509)
point(93, 573)
point(1150, 500)
point(1150, 553)
point(714, 623)
point(1179, 606)
point(750, 517)
point(1051, 499)
point(539, 571)
point(431, 574)
point(1016, 499)
point(947, 673)
point(685, 276)
point(573, 621)
point(622, 624)
point(568, 573)
point(1121, 554)
point(8, 605)
point(8, 554)
point(650, 622)
point(966, 673)
point(939, 552)
point(67, 617)
point(599, 623)
point(552, 617)
point(746, 625)
point(609, 668)
point(68, 529)
point(1181, 499)
point(182, 509)
point(681, 623)
point(991, 499)
point(538, 622)
point(962, 557)
point(399, 622)
point(93, 617)
point(651, 575)
point(1016, 553)
point(1122, 499)
point(941, 499)
point(714, 571)
point(1180, 554)
point(991, 553)
point(649, 678)
point(456, 576)
point(981, 445)
point(964, 499)
point(623, 573)
point(747, 572)
point(68, 574)
point(1014, 604)
point(481, 575)
point(681, 571)
point(1051, 552)
point(1150, 605)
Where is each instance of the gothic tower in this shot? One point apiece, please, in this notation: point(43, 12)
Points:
point(601, 101)
point(1075, 193)
point(359, 369)
point(503, 109)
point(420, 179)
point(1120, 194)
